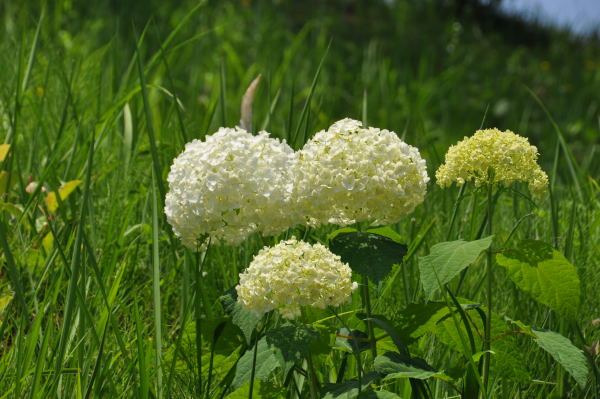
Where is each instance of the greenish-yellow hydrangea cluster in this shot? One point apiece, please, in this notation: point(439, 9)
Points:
point(348, 174)
point(291, 275)
point(508, 155)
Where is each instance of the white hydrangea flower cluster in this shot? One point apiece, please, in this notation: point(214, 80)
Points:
point(348, 174)
point(509, 155)
point(230, 186)
point(294, 274)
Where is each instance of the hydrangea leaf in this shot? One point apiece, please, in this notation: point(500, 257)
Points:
point(281, 347)
point(394, 365)
point(352, 340)
point(564, 352)
point(378, 395)
point(416, 320)
point(242, 318)
point(260, 390)
point(371, 255)
point(546, 274)
point(348, 389)
point(446, 260)
point(266, 363)
point(290, 344)
point(64, 191)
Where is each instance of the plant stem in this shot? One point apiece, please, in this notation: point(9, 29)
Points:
point(253, 372)
point(370, 329)
point(489, 280)
point(314, 383)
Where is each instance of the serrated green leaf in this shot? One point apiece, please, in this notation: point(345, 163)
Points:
point(348, 389)
point(564, 352)
point(261, 390)
point(290, 343)
point(546, 274)
point(446, 260)
point(368, 254)
point(434, 317)
point(266, 363)
point(394, 365)
point(281, 347)
point(241, 317)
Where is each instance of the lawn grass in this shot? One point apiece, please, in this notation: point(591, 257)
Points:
point(99, 297)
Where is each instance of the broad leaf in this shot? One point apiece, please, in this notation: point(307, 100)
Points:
point(260, 390)
point(564, 352)
point(64, 191)
point(281, 347)
point(352, 340)
point(378, 395)
point(266, 363)
point(394, 365)
point(446, 260)
point(371, 255)
point(290, 343)
point(348, 389)
point(546, 274)
point(434, 317)
point(241, 317)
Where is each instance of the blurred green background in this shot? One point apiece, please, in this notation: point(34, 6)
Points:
point(430, 69)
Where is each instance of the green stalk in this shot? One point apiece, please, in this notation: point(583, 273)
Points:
point(489, 280)
point(370, 329)
point(314, 383)
point(253, 372)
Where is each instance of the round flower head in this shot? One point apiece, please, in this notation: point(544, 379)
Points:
point(293, 274)
point(508, 155)
point(348, 174)
point(229, 186)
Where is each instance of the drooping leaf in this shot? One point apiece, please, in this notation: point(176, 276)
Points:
point(260, 390)
point(4, 148)
point(564, 352)
point(394, 365)
point(348, 389)
point(546, 274)
point(241, 317)
point(64, 191)
point(446, 260)
point(371, 255)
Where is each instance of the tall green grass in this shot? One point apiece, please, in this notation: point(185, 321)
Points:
point(113, 305)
